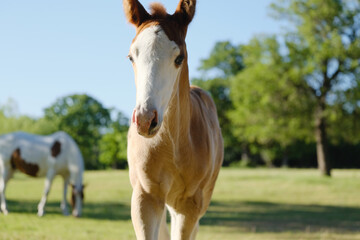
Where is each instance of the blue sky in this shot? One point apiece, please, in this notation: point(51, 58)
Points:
point(49, 49)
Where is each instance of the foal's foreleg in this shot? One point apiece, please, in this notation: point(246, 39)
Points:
point(48, 181)
point(185, 220)
point(146, 214)
point(163, 231)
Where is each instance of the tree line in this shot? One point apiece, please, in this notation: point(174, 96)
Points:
point(290, 100)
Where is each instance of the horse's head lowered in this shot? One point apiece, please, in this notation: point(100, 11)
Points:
point(158, 54)
point(77, 198)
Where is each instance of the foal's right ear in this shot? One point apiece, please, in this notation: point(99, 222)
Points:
point(135, 12)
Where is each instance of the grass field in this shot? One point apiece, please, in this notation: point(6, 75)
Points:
point(247, 204)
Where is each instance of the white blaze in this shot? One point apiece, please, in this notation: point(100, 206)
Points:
point(154, 55)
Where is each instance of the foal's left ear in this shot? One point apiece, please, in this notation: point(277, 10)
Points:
point(185, 11)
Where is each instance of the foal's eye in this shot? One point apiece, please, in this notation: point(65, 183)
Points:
point(130, 58)
point(179, 60)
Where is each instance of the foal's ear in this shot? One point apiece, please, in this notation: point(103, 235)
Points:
point(135, 12)
point(185, 11)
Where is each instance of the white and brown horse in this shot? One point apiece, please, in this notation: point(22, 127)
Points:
point(43, 156)
point(175, 147)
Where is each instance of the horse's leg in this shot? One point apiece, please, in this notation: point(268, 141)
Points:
point(163, 231)
point(195, 231)
point(4, 178)
point(183, 227)
point(146, 213)
point(64, 205)
point(48, 181)
point(2, 195)
point(185, 220)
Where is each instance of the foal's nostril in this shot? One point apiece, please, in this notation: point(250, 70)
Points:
point(134, 116)
point(153, 125)
point(154, 122)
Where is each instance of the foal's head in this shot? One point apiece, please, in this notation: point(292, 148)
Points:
point(158, 53)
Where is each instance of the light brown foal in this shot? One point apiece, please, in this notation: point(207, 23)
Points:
point(175, 147)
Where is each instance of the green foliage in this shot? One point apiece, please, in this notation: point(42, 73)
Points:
point(113, 145)
point(225, 58)
point(325, 47)
point(10, 121)
point(268, 107)
point(84, 118)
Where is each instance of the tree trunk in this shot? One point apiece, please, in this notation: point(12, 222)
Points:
point(321, 142)
point(245, 156)
point(285, 160)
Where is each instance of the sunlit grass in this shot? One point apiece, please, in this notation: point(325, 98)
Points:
point(247, 204)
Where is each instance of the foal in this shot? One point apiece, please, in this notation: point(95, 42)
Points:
point(175, 147)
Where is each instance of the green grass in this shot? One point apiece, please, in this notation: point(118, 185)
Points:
point(247, 204)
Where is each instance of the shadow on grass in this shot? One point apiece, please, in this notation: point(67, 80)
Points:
point(100, 211)
point(248, 216)
point(274, 217)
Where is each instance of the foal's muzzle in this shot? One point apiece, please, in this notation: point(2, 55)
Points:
point(147, 122)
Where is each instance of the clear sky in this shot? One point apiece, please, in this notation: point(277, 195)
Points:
point(49, 49)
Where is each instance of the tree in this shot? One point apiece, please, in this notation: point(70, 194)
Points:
point(84, 118)
point(327, 40)
point(305, 83)
point(269, 112)
point(113, 145)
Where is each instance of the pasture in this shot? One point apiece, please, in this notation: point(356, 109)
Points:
point(247, 204)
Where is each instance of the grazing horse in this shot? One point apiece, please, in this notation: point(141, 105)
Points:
point(43, 156)
point(175, 147)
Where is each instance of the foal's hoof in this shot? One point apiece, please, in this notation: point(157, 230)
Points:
point(5, 212)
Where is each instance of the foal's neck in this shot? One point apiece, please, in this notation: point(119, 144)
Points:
point(179, 111)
